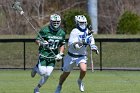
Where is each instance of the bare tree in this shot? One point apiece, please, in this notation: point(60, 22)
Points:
point(111, 10)
point(39, 11)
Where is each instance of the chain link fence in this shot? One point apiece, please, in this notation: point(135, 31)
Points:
point(115, 54)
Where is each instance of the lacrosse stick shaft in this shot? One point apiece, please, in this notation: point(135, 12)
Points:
point(33, 27)
point(91, 61)
point(36, 31)
point(16, 6)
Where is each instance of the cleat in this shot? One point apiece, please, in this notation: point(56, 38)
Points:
point(58, 89)
point(36, 90)
point(33, 73)
point(81, 85)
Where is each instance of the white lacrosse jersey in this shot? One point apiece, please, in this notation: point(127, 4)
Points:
point(76, 36)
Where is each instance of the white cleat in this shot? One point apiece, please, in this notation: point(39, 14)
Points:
point(81, 85)
point(36, 90)
point(33, 73)
point(58, 89)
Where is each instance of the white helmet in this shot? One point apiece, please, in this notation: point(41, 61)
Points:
point(55, 21)
point(81, 21)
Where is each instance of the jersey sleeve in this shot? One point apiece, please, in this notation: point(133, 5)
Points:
point(42, 33)
point(92, 40)
point(73, 37)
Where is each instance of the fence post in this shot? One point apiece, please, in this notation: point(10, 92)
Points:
point(24, 63)
point(100, 56)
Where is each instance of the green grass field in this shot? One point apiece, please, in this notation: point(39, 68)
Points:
point(114, 55)
point(19, 81)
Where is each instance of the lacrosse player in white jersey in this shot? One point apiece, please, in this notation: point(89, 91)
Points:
point(80, 38)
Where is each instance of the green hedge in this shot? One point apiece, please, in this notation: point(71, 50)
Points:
point(129, 23)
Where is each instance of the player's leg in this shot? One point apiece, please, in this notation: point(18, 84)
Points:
point(62, 78)
point(35, 69)
point(67, 67)
point(81, 76)
point(45, 72)
point(33, 72)
point(83, 68)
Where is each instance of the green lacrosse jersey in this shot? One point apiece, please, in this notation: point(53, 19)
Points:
point(55, 39)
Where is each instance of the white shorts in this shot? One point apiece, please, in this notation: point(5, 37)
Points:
point(69, 62)
point(44, 70)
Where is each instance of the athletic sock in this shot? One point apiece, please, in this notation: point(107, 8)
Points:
point(79, 79)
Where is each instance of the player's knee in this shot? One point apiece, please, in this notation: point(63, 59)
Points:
point(47, 74)
point(83, 69)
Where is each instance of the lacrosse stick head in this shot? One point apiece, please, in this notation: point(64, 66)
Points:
point(17, 7)
point(90, 29)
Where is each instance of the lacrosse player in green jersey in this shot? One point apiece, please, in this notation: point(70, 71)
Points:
point(51, 49)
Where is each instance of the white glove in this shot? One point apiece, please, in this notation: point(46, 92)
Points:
point(44, 43)
point(59, 56)
point(94, 48)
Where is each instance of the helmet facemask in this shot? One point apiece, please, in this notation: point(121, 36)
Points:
point(82, 25)
point(55, 22)
point(81, 22)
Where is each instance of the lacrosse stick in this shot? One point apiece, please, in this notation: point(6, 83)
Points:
point(91, 58)
point(17, 7)
point(91, 61)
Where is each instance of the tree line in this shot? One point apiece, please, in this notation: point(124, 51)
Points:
point(38, 11)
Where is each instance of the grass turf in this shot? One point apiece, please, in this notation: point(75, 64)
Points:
point(19, 81)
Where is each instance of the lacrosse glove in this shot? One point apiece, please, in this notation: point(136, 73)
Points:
point(44, 43)
point(78, 45)
point(87, 40)
point(94, 48)
point(59, 56)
